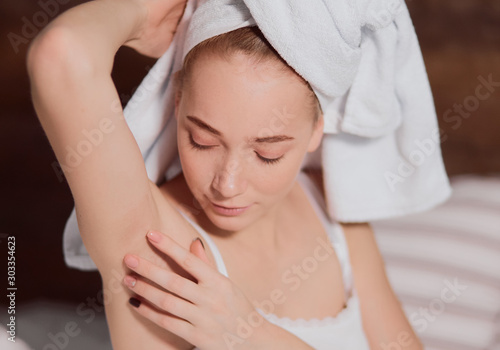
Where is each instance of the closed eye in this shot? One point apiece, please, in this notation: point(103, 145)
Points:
point(269, 160)
point(197, 146)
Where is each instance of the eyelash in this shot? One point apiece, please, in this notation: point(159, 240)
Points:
point(269, 161)
point(197, 146)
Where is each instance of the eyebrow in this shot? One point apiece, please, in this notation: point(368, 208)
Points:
point(272, 139)
point(267, 139)
point(204, 125)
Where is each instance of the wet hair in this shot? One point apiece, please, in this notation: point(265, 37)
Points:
point(251, 42)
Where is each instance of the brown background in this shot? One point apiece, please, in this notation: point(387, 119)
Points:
point(460, 41)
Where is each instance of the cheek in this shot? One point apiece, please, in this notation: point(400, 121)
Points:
point(195, 166)
point(278, 179)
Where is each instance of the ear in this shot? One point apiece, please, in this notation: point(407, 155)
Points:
point(317, 134)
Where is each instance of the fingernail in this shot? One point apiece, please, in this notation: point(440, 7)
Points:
point(130, 281)
point(131, 261)
point(198, 238)
point(154, 236)
point(134, 302)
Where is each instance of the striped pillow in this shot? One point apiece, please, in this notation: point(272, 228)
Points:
point(444, 266)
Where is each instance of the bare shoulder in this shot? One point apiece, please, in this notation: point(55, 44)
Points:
point(359, 236)
point(377, 299)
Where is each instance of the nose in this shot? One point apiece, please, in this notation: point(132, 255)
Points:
point(229, 180)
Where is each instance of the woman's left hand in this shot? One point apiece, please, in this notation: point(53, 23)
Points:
point(210, 314)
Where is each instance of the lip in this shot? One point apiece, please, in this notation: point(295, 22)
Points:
point(229, 211)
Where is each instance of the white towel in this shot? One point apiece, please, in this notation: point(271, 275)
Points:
point(380, 152)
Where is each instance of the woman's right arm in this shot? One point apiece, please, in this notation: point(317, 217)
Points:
point(69, 65)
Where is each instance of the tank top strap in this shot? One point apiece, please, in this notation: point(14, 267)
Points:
point(333, 229)
point(221, 267)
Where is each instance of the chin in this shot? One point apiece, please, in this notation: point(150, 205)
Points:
point(225, 223)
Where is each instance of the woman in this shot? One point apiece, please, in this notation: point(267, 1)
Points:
point(252, 206)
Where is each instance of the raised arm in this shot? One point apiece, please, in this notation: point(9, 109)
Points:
point(69, 65)
point(74, 96)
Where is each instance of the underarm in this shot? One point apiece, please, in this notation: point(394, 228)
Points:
point(128, 329)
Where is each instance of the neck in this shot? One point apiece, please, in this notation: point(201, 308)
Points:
point(267, 236)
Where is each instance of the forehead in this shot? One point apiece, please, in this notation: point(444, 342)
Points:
point(239, 89)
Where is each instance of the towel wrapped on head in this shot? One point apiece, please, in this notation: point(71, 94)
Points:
point(380, 153)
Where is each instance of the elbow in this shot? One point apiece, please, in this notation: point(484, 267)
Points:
point(54, 55)
point(45, 51)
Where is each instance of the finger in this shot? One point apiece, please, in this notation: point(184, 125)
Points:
point(166, 279)
point(187, 260)
point(171, 323)
point(163, 300)
point(198, 249)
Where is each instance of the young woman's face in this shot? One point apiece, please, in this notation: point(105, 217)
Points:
point(243, 132)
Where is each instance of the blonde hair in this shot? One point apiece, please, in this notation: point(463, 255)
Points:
point(249, 41)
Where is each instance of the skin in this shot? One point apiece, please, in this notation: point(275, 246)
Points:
point(69, 65)
point(232, 171)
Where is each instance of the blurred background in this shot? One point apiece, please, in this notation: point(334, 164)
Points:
point(460, 42)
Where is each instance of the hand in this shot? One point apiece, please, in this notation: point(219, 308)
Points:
point(210, 314)
point(158, 26)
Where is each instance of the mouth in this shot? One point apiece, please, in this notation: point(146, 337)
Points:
point(229, 211)
point(224, 207)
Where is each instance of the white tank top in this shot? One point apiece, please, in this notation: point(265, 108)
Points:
point(345, 330)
